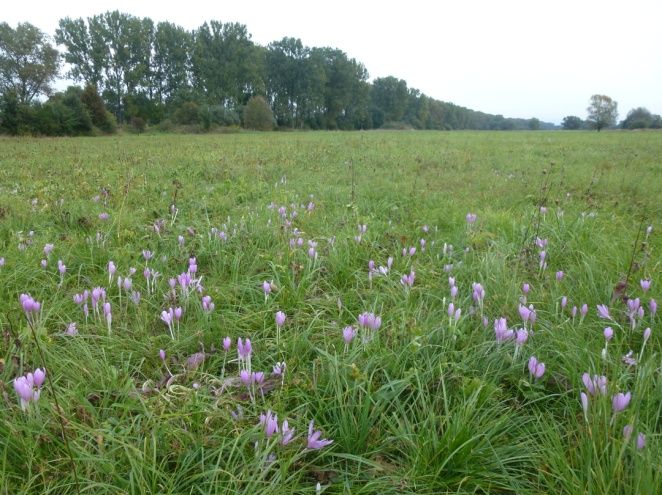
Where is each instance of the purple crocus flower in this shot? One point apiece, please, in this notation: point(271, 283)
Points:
point(314, 441)
point(478, 292)
point(564, 302)
point(104, 216)
point(471, 218)
point(608, 333)
point(288, 433)
point(525, 288)
point(348, 334)
point(536, 368)
point(521, 336)
point(245, 377)
point(24, 390)
point(454, 291)
point(162, 355)
point(501, 330)
point(39, 376)
point(603, 312)
point(227, 343)
point(620, 401)
point(647, 334)
point(207, 304)
point(645, 285)
point(584, 399)
point(596, 384)
point(559, 276)
point(280, 318)
point(244, 349)
point(652, 305)
point(48, 248)
point(584, 310)
point(641, 441)
point(266, 287)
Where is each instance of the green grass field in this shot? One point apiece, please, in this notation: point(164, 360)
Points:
point(430, 402)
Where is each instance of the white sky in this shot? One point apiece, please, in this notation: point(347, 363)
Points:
point(516, 58)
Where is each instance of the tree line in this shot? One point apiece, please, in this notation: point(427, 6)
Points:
point(162, 74)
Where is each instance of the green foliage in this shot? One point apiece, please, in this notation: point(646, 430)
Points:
point(28, 62)
point(602, 112)
point(101, 117)
point(187, 114)
point(641, 118)
point(258, 115)
point(572, 123)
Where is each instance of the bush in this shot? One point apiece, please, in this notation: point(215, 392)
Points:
point(258, 115)
point(101, 117)
point(138, 124)
point(187, 114)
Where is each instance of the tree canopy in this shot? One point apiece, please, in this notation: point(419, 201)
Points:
point(28, 62)
point(602, 112)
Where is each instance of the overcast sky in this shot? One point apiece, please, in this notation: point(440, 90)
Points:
point(517, 58)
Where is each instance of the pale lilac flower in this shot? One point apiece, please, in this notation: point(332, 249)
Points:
point(584, 399)
point(647, 334)
point(458, 314)
point(177, 313)
point(574, 311)
point(596, 384)
point(451, 309)
point(454, 291)
point(521, 336)
point(39, 377)
point(280, 318)
point(608, 333)
point(536, 368)
point(645, 284)
point(227, 343)
point(620, 401)
point(603, 312)
point(486, 322)
point(244, 349)
point(71, 329)
point(425, 229)
point(266, 288)
point(652, 305)
point(180, 241)
point(104, 216)
point(207, 304)
point(471, 218)
point(541, 243)
point(526, 288)
point(288, 433)
point(408, 280)
point(543, 210)
point(543, 263)
point(348, 334)
point(2, 261)
point(279, 369)
point(629, 360)
point(559, 276)
point(135, 298)
point(524, 312)
point(564, 302)
point(24, 390)
point(44, 263)
point(314, 441)
point(61, 267)
point(641, 441)
point(147, 254)
point(48, 248)
point(501, 330)
point(478, 292)
point(245, 377)
point(584, 310)
point(258, 378)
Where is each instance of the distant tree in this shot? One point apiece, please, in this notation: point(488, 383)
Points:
point(640, 118)
point(533, 124)
point(258, 115)
point(389, 99)
point(602, 112)
point(28, 62)
point(101, 117)
point(572, 122)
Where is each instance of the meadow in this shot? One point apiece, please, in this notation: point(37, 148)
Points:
point(428, 312)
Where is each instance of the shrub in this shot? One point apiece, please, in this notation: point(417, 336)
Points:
point(258, 115)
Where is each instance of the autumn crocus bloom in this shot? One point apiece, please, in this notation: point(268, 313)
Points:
point(526, 288)
point(596, 384)
point(559, 276)
point(584, 400)
point(652, 305)
point(603, 312)
point(536, 368)
point(314, 441)
point(620, 401)
point(288, 433)
point(348, 334)
point(608, 333)
point(227, 342)
point(645, 285)
point(280, 318)
point(471, 218)
point(627, 432)
point(641, 441)
point(244, 349)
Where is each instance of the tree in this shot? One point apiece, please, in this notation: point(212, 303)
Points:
point(28, 62)
point(257, 115)
point(640, 118)
point(533, 124)
point(571, 123)
point(602, 112)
